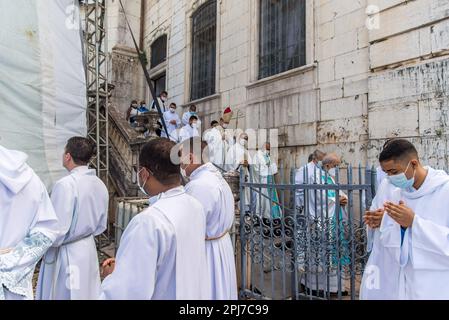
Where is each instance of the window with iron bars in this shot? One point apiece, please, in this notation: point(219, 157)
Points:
point(282, 41)
point(204, 39)
point(159, 51)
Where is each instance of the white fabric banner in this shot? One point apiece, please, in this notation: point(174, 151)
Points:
point(42, 81)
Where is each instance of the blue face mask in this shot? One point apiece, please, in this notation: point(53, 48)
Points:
point(401, 181)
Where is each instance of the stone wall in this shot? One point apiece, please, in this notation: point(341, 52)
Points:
point(360, 85)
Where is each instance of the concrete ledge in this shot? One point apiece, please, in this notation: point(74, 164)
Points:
point(283, 75)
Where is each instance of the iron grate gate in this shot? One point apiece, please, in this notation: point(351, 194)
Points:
point(316, 248)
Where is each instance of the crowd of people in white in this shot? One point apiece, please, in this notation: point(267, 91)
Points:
point(180, 247)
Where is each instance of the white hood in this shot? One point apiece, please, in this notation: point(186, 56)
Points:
point(434, 180)
point(15, 174)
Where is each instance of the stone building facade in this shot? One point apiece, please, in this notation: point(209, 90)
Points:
point(370, 70)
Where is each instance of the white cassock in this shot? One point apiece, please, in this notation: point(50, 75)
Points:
point(170, 116)
point(318, 205)
point(217, 146)
point(162, 254)
point(70, 268)
point(28, 225)
point(419, 267)
point(235, 156)
point(305, 175)
point(187, 132)
point(208, 187)
point(264, 170)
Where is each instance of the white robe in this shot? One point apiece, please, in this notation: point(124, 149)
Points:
point(187, 132)
point(419, 268)
point(217, 146)
point(170, 116)
point(162, 254)
point(236, 154)
point(263, 170)
point(305, 172)
point(380, 176)
point(28, 225)
point(70, 269)
point(208, 187)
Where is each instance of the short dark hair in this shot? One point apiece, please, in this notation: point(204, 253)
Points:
point(81, 149)
point(192, 145)
point(193, 118)
point(134, 102)
point(155, 156)
point(164, 92)
point(397, 149)
point(173, 104)
point(311, 157)
point(193, 107)
point(214, 123)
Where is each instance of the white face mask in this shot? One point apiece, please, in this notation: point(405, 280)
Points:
point(194, 125)
point(172, 110)
point(242, 142)
point(141, 186)
point(163, 99)
point(332, 172)
point(184, 173)
point(224, 125)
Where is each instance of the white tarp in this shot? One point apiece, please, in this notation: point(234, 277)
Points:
point(42, 81)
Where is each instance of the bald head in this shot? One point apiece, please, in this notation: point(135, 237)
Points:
point(331, 160)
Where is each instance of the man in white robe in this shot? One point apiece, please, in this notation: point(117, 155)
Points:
point(70, 268)
point(409, 249)
point(190, 130)
point(172, 122)
point(264, 170)
point(238, 157)
point(219, 139)
point(162, 254)
point(28, 225)
point(213, 192)
point(306, 175)
point(321, 210)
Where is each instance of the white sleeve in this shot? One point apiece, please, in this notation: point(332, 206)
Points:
point(134, 276)
point(429, 244)
point(63, 200)
point(299, 194)
point(103, 224)
point(23, 257)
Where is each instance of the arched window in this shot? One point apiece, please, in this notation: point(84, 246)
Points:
point(204, 39)
point(159, 51)
point(282, 41)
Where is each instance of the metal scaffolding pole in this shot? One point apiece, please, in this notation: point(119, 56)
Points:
point(96, 61)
